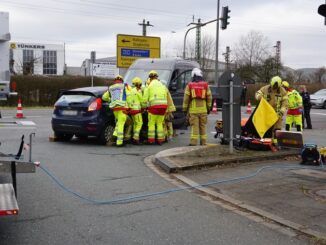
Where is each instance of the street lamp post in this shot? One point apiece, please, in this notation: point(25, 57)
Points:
point(184, 40)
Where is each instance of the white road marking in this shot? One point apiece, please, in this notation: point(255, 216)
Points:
point(323, 114)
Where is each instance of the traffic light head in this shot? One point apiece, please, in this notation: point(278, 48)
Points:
point(225, 17)
point(322, 10)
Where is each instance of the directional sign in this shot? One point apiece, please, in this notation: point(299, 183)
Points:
point(130, 48)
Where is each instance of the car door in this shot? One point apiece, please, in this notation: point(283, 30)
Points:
point(177, 87)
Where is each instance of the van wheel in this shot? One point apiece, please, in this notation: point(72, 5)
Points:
point(106, 137)
point(63, 136)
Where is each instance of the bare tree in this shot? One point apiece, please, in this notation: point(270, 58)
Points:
point(299, 76)
point(27, 67)
point(208, 52)
point(318, 75)
point(252, 49)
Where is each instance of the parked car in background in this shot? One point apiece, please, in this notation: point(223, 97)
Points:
point(319, 98)
point(81, 112)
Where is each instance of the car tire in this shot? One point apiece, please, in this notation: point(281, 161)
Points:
point(106, 137)
point(63, 136)
point(324, 105)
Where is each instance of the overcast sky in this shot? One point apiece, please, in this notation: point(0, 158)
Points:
point(86, 25)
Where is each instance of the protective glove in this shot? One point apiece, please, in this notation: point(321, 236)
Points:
point(300, 110)
point(258, 97)
point(208, 110)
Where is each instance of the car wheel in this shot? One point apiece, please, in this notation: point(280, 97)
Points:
point(106, 136)
point(324, 105)
point(63, 136)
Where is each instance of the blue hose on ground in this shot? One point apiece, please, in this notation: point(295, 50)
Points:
point(132, 198)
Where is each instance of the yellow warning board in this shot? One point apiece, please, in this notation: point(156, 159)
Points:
point(130, 48)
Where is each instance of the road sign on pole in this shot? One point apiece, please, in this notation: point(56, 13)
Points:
point(130, 48)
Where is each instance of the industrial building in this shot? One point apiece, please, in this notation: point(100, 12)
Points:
point(37, 59)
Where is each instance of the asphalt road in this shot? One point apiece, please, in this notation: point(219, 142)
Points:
point(48, 215)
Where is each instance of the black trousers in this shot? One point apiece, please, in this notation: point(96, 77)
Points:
point(306, 115)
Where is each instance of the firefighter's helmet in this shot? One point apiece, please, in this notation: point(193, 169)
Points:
point(285, 84)
point(136, 81)
point(152, 73)
point(196, 72)
point(118, 77)
point(276, 82)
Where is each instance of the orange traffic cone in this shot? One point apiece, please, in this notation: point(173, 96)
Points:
point(249, 108)
point(214, 110)
point(19, 113)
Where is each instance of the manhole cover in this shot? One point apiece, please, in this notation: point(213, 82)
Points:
point(319, 194)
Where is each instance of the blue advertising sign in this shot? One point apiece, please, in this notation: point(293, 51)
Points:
point(135, 52)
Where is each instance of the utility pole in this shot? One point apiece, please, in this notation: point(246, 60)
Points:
point(278, 55)
point(198, 42)
point(227, 57)
point(144, 24)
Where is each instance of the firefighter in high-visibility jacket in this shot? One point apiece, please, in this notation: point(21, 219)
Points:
point(197, 102)
point(295, 108)
point(135, 108)
point(155, 96)
point(117, 97)
point(277, 97)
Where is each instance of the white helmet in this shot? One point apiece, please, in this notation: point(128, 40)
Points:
point(196, 72)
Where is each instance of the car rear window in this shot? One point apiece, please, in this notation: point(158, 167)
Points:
point(75, 98)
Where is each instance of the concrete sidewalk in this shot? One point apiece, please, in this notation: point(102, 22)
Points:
point(286, 192)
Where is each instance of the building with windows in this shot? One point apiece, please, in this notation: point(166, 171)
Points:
point(37, 59)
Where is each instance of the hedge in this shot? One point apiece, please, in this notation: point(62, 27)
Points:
point(43, 91)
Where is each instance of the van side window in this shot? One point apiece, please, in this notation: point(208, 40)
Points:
point(182, 80)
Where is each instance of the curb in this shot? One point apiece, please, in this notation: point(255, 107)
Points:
point(167, 164)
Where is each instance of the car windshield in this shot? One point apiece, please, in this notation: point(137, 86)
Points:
point(321, 92)
point(75, 98)
point(143, 74)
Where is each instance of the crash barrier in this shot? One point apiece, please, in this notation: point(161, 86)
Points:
point(143, 196)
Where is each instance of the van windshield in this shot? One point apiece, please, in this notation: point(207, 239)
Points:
point(143, 74)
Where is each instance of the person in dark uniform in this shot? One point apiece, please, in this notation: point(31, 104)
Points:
point(243, 94)
point(306, 106)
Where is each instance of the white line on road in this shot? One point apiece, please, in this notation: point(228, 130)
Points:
point(24, 117)
point(323, 114)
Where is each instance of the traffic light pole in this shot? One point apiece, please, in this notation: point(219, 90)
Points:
point(217, 37)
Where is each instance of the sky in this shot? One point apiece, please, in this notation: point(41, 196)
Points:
point(87, 25)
